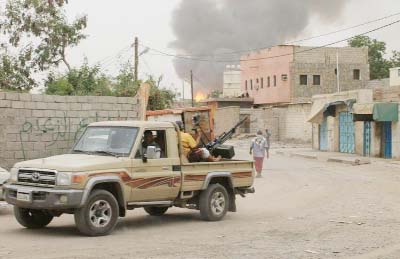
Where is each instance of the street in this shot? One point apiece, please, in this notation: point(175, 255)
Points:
point(301, 209)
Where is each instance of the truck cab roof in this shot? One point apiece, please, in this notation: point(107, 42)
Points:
point(140, 124)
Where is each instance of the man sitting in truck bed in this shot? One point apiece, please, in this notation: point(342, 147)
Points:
point(191, 149)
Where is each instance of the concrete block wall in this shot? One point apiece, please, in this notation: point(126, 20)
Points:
point(37, 126)
point(285, 123)
point(225, 118)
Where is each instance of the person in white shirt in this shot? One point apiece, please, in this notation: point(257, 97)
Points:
point(258, 149)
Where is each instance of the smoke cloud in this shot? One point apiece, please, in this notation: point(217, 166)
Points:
point(204, 27)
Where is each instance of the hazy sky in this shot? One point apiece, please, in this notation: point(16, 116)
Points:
point(112, 26)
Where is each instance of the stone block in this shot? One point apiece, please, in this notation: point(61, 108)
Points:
point(61, 114)
point(2, 95)
point(12, 137)
point(86, 106)
point(126, 107)
point(75, 106)
point(41, 106)
point(39, 146)
point(47, 137)
point(71, 99)
point(5, 103)
point(103, 113)
point(113, 114)
point(123, 114)
point(30, 105)
point(38, 113)
point(82, 99)
point(12, 96)
point(63, 106)
point(72, 114)
point(17, 105)
point(107, 107)
point(32, 154)
point(25, 97)
point(37, 97)
point(49, 98)
point(53, 106)
point(19, 155)
point(59, 99)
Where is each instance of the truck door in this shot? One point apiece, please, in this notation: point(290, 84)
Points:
point(157, 179)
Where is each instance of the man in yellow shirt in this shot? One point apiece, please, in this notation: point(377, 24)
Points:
point(188, 142)
point(190, 147)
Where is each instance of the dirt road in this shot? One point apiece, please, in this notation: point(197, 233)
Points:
point(302, 209)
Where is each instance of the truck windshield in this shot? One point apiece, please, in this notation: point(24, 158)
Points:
point(115, 141)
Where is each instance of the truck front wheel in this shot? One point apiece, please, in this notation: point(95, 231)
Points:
point(214, 203)
point(99, 216)
point(32, 218)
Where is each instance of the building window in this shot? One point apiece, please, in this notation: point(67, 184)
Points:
point(274, 80)
point(245, 85)
point(303, 80)
point(356, 74)
point(268, 82)
point(335, 71)
point(262, 82)
point(251, 84)
point(316, 80)
point(284, 77)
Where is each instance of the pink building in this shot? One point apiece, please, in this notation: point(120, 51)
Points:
point(288, 74)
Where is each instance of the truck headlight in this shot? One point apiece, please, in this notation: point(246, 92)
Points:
point(63, 179)
point(14, 174)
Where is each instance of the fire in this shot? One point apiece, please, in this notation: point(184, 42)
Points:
point(200, 97)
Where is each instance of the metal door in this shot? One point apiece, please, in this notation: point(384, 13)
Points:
point(367, 138)
point(346, 132)
point(387, 139)
point(323, 135)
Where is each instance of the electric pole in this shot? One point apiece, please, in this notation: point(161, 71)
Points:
point(136, 58)
point(191, 85)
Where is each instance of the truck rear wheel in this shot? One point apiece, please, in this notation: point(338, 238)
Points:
point(99, 216)
point(214, 203)
point(32, 218)
point(156, 211)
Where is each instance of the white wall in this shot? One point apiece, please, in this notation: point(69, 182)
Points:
point(395, 76)
point(232, 83)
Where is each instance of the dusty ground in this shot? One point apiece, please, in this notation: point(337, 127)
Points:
point(302, 209)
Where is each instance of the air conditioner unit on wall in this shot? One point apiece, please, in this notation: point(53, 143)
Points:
point(284, 77)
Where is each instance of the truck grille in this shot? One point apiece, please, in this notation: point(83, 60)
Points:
point(36, 177)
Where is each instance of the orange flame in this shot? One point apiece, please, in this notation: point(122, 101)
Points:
point(200, 97)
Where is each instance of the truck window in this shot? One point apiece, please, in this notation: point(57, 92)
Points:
point(156, 138)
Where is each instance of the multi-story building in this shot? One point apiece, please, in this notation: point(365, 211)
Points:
point(232, 82)
point(290, 74)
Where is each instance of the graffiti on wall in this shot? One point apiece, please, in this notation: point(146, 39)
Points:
point(57, 129)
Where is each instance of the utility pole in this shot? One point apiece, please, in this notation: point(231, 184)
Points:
point(136, 59)
point(191, 85)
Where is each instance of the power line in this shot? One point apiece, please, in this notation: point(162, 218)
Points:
point(282, 55)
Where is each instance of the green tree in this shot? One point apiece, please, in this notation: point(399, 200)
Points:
point(39, 34)
point(379, 66)
point(83, 81)
point(160, 98)
point(125, 83)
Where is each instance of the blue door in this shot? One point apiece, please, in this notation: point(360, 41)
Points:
point(323, 135)
point(367, 139)
point(387, 139)
point(346, 132)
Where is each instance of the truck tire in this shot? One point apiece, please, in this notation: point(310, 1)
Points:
point(214, 203)
point(156, 211)
point(32, 218)
point(99, 216)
